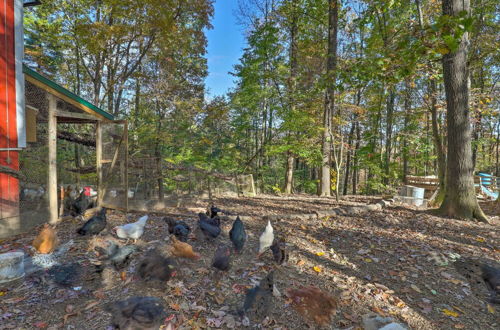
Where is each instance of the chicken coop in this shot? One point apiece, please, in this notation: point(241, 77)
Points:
point(70, 145)
point(154, 184)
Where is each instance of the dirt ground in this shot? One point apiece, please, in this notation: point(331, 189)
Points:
point(398, 262)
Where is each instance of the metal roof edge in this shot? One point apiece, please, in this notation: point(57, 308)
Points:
point(67, 93)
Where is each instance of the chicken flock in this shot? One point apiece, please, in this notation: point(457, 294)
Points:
point(155, 268)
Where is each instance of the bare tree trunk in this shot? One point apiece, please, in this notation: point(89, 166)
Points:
point(460, 197)
point(331, 64)
point(349, 155)
point(438, 142)
point(289, 173)
point(407, 109)
point(291, 91)
point(355, 160)
point(388, 134)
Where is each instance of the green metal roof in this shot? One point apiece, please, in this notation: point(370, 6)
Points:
point(49, 83)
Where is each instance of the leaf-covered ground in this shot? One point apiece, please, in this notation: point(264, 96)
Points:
point(397, 262)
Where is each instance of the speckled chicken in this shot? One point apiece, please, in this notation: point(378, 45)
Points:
point(280, 253)
point(238, 235)
point(137, 313)
point(258, 300)
point(222, 258)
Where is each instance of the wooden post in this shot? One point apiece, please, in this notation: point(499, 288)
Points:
point(125, 136)
point(98, 157)
point(252, 186)
point(52, 179)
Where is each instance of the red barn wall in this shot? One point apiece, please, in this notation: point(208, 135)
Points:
point(12, 134)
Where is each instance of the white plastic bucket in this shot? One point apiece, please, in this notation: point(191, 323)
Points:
point(11, 266)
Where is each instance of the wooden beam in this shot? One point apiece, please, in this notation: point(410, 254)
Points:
point(63, 97)
point(52, 141)
point(75, 115)
point(98, 156)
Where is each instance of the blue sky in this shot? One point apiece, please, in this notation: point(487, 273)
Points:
point(225, 46)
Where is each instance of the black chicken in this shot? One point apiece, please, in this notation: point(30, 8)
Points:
point(94, 225)
point(179, 228)
point(137, 313)
point(171, 222)
point(66, 275)
point(209, 227)
point(181, 231)
point(259, 298)
point(222, 258)
point(238, 235)
point(214, 210)
point(80, 204)
point(491, 276)
point(279, 251)
point(154, 266)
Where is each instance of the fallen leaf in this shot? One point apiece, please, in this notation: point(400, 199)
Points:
point(91, 305)
point(378, 311)
point(99, 294)
point(450, 313)
point(319, 254)
point(393, 273)
point(349, 317)
point(458, 309)
point(13, 300)
point(480, 239)
point(177, 291)
point(67, 316)
point(300, 262)
point(491, 309)
point(414, 287)
point(175, 306)
point(123, 276)
point(219, 299)
point(303, 227)
point(368, 260)
point(40, 325)
point(69, 308)
point(317, 269)
point(2, 293)
point(459, 326)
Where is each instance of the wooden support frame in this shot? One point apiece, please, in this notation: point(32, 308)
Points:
point(98, 156)
point(52, 177)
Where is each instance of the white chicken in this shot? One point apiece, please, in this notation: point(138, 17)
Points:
point(132, 230)
point(266, 238)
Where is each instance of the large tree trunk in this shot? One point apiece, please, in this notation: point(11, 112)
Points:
point(289, 173)
point(333, 15)
point(460, 197)
point(291, 91)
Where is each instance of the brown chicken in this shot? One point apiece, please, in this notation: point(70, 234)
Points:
point(46, 241)
point(313, 304)
point(183, 250)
